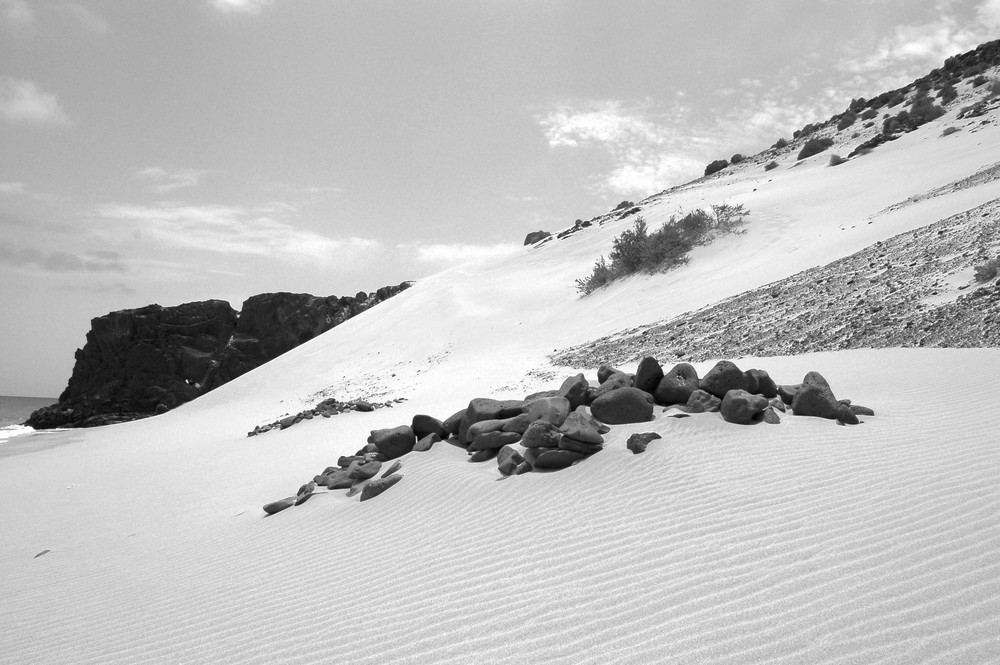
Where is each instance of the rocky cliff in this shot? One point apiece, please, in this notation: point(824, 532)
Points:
point(138, 362)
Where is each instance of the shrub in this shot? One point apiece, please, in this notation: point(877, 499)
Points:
point(869, 114)
point(895, 98)
point(947, 94)
point(728, 217)
point(665, 248)
point(948, 131)
point(626, 252)
point(771, 166)
point(836, 160)
point(716, 166)
point(987, 271)
point(846, 120)
point(814, 146)
point(622, 206)
point(923, 110)
point(601, 276)
point(979, 80)
point(780, 143)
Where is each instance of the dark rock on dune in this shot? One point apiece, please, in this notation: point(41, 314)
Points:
point(540, 394)
point(541, 434)
point(494, 440)
point(648, 374)
point(861, 410)
point(743, 408)
point(536, 236)
point(394, 442)
point(451, 424)
point(518, 423)
point(574, 389)
point(703, 402)
point(484, 426)
point(639, 441)
point(508, 460)
point(578, 426)
point(589, 418)
point(550, 409)
point(761, 383)
point(278, 506)
point(483, 455)
point(344, 461)
point(613, 382)
point(605, 372)
point(556, 459)
point(589, 395)
point(846, 415)
point(484, 408)
point(357, 487)
point(777, 404)
point(677, 385)
point(787, 393)
point(577, 446)
point(426, 443)
point(359, 471)
point(375, 487)
point(139, 362)
point(626, 405)
point(422, 425)
point(722, 378)
point(815, 398)
point(396, 466)
point(523, 467)
point(307, 488)
point(335, 480)
point(364, 406)
point(771, 416)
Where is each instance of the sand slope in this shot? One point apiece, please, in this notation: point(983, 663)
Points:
point(805, 542)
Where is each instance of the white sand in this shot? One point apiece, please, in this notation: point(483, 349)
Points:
point(805, 542)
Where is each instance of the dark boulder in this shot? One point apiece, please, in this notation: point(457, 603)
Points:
point(394, 442)
point(846, 415)
point(639, 441)
point(787, 393)
point(451, 424)
point(722, 378)
point(375, 487)
point(576, 446)
point(648, 374)
point(574, 389)
point(426, 443)
point(861, 410)
point(582, 428)
point(677, 385)
point(556, 459)
point(613, 382)
point(422, 425)
point(703, 402)
point(626, 405)
point(743, 408)
point(771, 416)
point(605, 372)
point(760, 383)
point(815, 398)
point(278, 506)
point(494, 440)
point(508, 460)
point(541, 434)
point(484, 426)
point(551, 409)
point(484, 408)
point(536, 236)
point(483, 455)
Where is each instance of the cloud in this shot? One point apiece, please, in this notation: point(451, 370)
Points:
point(12, 188)
point(239, 6)
point(24, 101)
point(450, 253)
point(263, 231)
point(86, 18)
point(162, 180)
point(16, 15)
point(60, 261)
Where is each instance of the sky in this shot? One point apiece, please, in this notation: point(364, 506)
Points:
point(167, 151)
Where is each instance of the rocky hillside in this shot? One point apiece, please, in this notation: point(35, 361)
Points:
point(139, 362)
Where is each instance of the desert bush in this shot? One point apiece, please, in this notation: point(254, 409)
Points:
point(836, 160)
point(948, 131)
point(895, 98)
point(805, 131)
point(716, 166)
point(979, 80)
point(947, 94)
point(814, 146)
point(780, 143)
point(923, 110)
point(639, 250)
point(869, 114)
point(770, 166)
point(987, 271)
point(846, 120)
point(622, 206)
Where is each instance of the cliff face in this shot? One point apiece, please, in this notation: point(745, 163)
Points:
point(139, 362)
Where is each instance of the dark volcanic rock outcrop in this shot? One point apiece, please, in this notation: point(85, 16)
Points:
point(138, 362)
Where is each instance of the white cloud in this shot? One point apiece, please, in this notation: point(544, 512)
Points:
point(16, 15)
point(988, 14)
point(12, 188)
point(263, 231)
point(601, 122)
point(652, 173)
point(24, 101)
point(239, 6)
point(459, 252)
point(163, 180)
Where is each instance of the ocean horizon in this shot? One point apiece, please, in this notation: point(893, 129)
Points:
point(15, 410)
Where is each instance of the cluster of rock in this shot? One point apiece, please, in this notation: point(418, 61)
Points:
point(555, 429)
point(138, 362)
point(325, 409)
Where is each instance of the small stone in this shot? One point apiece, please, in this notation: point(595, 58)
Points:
point(494, 440)
point(278, 506)
point(574, 389)
point(422, 425)
point(639, 441)
point(396, 466)
point(362, 405)
point(861, 410)
point(743, 408)
point(777, 404)
point(771, 416)
point(557, 459)
point(508, 460)
point(578, 427)
point(703, 402)
point(375, 487)
point(541, 434)
point(483, 455)
point(359, 471)
point(576, 446)
point(846, 415)
point(426, 443)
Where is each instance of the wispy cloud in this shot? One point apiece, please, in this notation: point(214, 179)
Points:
point(16, 16)
point(239, 6)
point(12, 188)
point(459, 252)
point(263, 230)
point(24, 101)
point(60, 261)
point(163, 180)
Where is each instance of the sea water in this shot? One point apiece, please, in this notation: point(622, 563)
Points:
point(15, 410)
